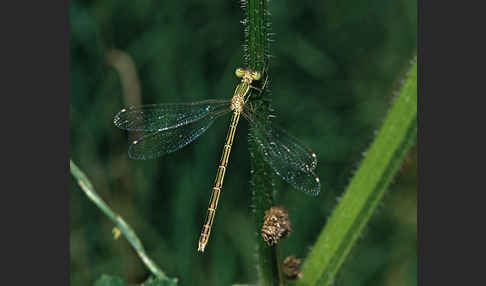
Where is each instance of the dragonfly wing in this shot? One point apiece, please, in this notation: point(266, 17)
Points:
point(158, 117)
point(291, 160)
point(159, 129)
point(159, 143)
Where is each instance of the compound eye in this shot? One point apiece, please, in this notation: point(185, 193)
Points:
point(256, 75)
point(239, 72)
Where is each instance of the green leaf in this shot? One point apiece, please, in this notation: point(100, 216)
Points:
point(121, 225)
point(366, 188)
point(108, 280)
point(159, 282)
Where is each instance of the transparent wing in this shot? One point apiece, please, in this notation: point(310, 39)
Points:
point(291, 160)
point(164, 128)
point(158, 117)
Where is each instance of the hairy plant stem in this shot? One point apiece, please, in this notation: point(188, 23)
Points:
point(256, 51)
point(120, 223)
point(365, 190)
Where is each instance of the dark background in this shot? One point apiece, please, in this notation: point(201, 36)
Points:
point(336, 66)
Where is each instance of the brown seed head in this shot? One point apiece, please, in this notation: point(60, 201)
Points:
point(276, 225)
point(291, 268)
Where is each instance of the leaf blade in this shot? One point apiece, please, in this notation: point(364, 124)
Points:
point(366, 189)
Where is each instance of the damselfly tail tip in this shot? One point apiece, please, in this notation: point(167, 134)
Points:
point(203, 240)
point(201, 246)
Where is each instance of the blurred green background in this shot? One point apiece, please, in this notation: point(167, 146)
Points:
point(335, 67)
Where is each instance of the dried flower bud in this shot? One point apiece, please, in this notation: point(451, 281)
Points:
point(276, 225)
point(291, 268)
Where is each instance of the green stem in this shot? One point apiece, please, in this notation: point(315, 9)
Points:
point(262, 200)
point(366, 188)
point(120, 223)
point(256, 52)
point(257, 24)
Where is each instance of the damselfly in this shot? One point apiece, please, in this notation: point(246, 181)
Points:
point(166, 128)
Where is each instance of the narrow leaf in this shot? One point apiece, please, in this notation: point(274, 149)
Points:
point(120, 223)
point(366, 188)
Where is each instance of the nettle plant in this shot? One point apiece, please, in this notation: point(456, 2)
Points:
point(271, 222)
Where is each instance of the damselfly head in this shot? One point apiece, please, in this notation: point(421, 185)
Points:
point(247, 73)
